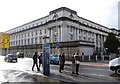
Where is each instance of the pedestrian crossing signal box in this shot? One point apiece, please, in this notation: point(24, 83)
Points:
point(46, 59)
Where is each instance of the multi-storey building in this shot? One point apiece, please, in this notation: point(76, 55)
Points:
point(119, 15)
point(63, 25)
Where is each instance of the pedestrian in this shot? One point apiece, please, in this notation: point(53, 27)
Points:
point(60, 63)
point(82, 56)
point(63, 59)
point(35, 58)
point(73, 63)
point(77, 62)
point(40, 59)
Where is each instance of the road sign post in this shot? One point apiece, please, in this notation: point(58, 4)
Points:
point(4, 42)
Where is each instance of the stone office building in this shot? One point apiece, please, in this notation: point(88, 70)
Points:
point(63, 25)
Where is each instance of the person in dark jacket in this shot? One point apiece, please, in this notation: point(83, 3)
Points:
point(40, 60)
point(73, 63)
point(77, 62)
point(63, 59)
point(60, 63)
point(35, 57)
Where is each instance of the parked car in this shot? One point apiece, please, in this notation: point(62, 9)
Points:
point(20, 54)
point(10, 58)
point(54, 59)
point(114, 65)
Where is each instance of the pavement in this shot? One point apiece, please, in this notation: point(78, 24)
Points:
point(68, 77)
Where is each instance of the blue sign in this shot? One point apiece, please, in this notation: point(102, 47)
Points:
point(57, 43)
point(46, 45)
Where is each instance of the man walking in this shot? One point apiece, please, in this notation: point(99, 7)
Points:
point(35, 57)
point(77, 59)
point(73, 63)
point(63, 59)
point(60, 63)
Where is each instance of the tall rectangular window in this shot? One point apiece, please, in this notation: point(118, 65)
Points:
point(40, 32)
point(40, 39)
point(35, 40)
point(45, 31)
point(36, 33)
point(31, 40)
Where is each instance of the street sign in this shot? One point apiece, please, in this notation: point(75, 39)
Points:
point(4, 40)
point(57, 43)
point(46, 46)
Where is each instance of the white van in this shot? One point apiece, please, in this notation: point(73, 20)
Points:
point(114, 65)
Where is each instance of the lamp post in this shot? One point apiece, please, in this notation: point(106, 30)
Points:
point(101, 46)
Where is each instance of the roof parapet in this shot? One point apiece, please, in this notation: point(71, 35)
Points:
point(62, 9)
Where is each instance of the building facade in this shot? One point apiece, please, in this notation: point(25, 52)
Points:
point(119, 16)
point(63, 25)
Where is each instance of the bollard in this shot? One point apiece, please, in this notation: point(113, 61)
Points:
point(82, 57)
point(109, 57)
point(96, 57)
point(89, 57)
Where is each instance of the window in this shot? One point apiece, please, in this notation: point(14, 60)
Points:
point(31, 40)
point(79, 38)
point(79, 31)
point(40, 32)
point(32, 33)
point(35, 40)
point(21, 35)
point(40, 39)
point(21, 42)
point(71, 37)
point(84, 38)
point(92, 39)
point(84, 32)
point(25, 35)
point(16, 37)
point(36, 33)
point(92, 34)
point(71, 29)
point(28, 34)
point(15, 42)
point(28, 41)
point(89, 39)
point(45, 31)
point(25, 42)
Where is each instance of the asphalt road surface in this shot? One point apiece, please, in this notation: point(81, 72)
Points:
point(88, 72)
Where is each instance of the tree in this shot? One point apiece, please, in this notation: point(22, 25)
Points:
point(112, 43)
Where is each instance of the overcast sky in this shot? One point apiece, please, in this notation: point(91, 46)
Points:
point(14, 13)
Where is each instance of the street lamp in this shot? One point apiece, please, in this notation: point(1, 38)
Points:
point(101, 46)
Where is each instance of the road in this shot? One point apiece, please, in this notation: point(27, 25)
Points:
point(21, 72)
